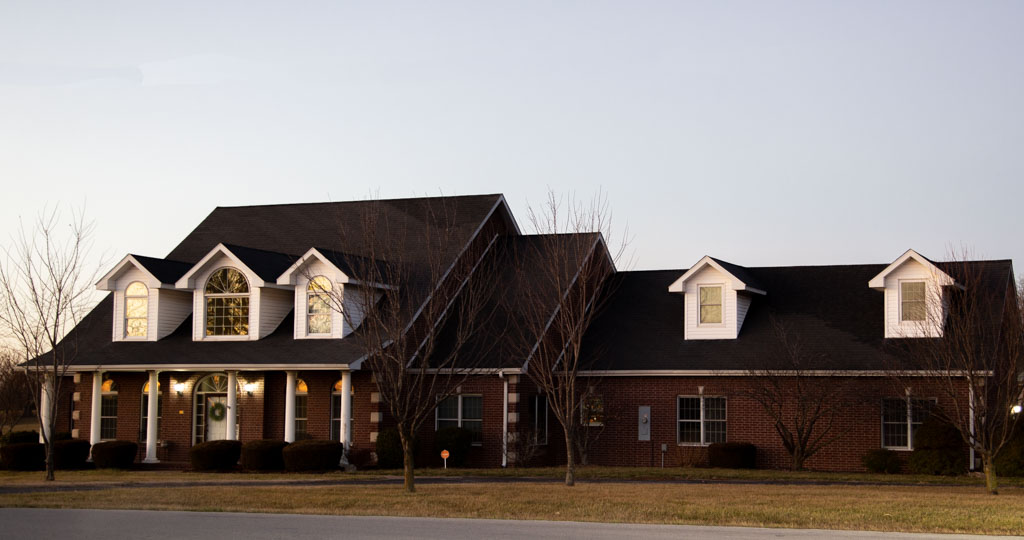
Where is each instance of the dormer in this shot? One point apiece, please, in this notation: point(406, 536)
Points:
point(146, 305)
point(328, 300)
point(716, 296)
point(915, 305)
point(235, 295)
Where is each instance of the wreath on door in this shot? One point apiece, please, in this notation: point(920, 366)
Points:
point(217, 412)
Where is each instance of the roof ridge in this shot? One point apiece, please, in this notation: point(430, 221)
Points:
point(361, 201)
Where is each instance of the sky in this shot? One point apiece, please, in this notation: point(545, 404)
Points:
point(761, 133)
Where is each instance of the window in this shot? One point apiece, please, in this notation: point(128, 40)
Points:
point(540, 419)
point(227, 304)
point(710, 305)
point(593, 411)
point(466, 412)
point(701, 420)
point(912, 298)
point(210, 406)
point(900, 419)
point(144, 422)
point(136, 310)
point(336, 411)
point(318, 306)
point(301, 408)
point(108, 410)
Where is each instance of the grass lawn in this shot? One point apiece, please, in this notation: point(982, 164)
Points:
point(888, 508)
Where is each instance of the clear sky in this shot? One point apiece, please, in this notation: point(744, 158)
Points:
point(762, 133)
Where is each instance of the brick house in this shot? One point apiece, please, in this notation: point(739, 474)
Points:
point(223, 339)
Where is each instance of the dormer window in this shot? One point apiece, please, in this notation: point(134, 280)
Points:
point(318, 305)
point(136, 310)
point(912, 301)
point(227, 303)
point(711, 305)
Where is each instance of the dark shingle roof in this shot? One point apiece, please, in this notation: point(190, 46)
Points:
point(740, 272)
point(268, 265)
point(167, 271)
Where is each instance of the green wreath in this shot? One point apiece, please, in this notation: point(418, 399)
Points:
point(217, 412)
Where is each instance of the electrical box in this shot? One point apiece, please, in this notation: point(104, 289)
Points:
point(644, 424)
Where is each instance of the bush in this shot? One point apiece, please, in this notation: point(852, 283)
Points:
point(881, 460)
point(312, 455)
point(114, 454)
point(732, 455)
point(263, 455)
point(20, 437)
point(938, 449)
point(70, 453)
point(1010, 461)
point(215, 455)
point(389, 450)
point(457, 441)
point(23, 456)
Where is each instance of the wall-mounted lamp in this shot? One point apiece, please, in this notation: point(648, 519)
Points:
point(1016, 409)
point(179, 388)
point(249, 388)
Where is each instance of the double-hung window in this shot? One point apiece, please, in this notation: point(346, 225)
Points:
point(144, 420)
point(701, 420)
point(912, 301)
point(710, 304)
point(301, 409)
point(900, 419)
point(462, 411)
point(108, 410)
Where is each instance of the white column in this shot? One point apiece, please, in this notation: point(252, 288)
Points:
point(94, 415)
point(45, 402)
point(346, 408)
point(289, 406)
point(152, 414)
point(232, 416)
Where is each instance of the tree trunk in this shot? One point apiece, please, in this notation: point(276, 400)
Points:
point(570, 461)
point(991, 482)
point(798, 461)
point(407, 462)
point(49, 460)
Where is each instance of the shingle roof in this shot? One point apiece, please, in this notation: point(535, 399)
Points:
point(268, 265)
point(167, 271)
point(740, 272)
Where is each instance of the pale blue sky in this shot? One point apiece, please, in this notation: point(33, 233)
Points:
point(763, 133)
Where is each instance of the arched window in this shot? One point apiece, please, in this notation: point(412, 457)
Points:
point(136, 310)
point(318, 306)
point(108, 410)
point(144, 423)
point(301, 408)
point(227, 304)
point(211, 400)
point(336, 411)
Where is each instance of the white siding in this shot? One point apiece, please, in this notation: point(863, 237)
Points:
point(274, 306)
point(742, 306)
point(911, 270)
point(355, 307)
point(725, 330)
point(173, 307)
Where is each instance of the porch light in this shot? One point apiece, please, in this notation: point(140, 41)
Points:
point(179, 388)
point(249, 388)
point(1015, 409)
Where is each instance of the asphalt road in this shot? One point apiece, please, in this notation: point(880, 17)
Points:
point(107, 524)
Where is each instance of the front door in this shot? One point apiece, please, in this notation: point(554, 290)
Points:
point(216, 418)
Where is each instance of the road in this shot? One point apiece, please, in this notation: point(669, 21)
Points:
point(108, 524)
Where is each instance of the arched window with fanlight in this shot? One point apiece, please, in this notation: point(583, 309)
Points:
point(301, 409)
point(336, 411)
point(318, 306)
point(108, 410)
point(227, 303)
point(144, 422)
point(136, 310)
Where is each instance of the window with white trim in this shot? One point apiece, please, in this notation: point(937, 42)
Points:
point(318, 306)
point(136, 310)
point(710, 304)
point(701, 420)
point(900, 419)
point(144, 422)
point(301, 409)
point(464, 411)
point(336, 411)
point(912, 301)
point(108, 410)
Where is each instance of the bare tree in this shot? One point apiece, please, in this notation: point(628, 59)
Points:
point(978, 362)
point(562, 275)
point(804, 407)
point(45, 290)
point(418, 308)
point(14, 394)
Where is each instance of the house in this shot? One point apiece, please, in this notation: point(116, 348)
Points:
point(228, 337)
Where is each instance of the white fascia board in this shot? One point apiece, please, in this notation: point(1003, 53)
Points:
point(186, 281)
point(679, 285)
point(106, 283)
point(943, 279)
point(289, 275)
point(212, 367)
point(755, 373)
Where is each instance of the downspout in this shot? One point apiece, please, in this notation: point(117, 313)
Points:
point(970, 389)
point(504, 422)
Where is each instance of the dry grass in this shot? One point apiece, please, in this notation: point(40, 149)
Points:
point(898, 508)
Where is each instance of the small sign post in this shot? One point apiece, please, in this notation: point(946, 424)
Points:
point(444, 456)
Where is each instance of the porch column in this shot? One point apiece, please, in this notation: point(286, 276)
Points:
point(232, 415)
point(152, 414)
point(45, 402)
point(94, 415)
point(346, 408)
point(289, 406)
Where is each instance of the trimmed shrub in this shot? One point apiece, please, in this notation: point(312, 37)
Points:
point(312, 455)
point(457, 441)
point(389, 449)
point(263, 455)
point(23, 456)
point(938, 449)
point(1010, 461)
point(215, 455)
point(732, 455)
point(881, 460)
point(20, 437)
point(114, 454)
point(70, 453)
